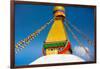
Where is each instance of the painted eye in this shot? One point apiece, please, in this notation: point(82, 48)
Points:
point(51, 49)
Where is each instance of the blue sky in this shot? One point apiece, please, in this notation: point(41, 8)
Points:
point(29, 18)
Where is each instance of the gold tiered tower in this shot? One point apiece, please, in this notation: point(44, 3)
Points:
point(57, 40)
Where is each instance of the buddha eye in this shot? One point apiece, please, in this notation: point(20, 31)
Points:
point(51, 49)
point(59, 48)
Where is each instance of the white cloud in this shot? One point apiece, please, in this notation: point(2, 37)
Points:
point(79, 50)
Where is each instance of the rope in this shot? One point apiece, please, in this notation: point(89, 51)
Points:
point(23, 43)
point(90, 42)
point(76, 38)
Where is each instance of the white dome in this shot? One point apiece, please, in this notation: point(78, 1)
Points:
point(59, 58)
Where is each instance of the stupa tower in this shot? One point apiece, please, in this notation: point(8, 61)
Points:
point(57, 40)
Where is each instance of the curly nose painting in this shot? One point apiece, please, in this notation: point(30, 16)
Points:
point(53, 34)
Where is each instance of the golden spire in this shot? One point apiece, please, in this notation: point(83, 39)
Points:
point(59, 8)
